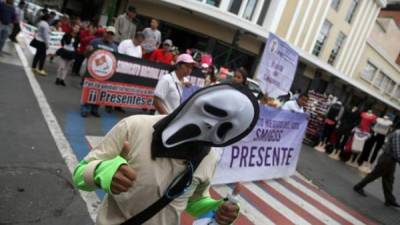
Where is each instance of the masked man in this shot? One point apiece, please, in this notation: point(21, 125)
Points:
point(155, 167)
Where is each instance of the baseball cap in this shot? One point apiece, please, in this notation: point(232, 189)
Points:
point(185, 58)
point(110, 29)
point(168, 42)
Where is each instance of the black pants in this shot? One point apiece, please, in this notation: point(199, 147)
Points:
point(78, 63)
point(327, 132)
point(16, 29)
point(385, 168)
point(342, 137)
point(374, 144)
point(40, 55)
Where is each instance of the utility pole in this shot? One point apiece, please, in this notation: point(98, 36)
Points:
point(111, 10)
point(235, 43)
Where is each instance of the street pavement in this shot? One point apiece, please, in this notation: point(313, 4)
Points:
point(36, 185)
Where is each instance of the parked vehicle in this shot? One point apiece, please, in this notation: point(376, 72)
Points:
point(32, 12)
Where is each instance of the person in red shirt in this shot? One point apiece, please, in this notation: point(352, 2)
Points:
point(86, 37)
point(367, 120)
point(65, 24)
point(163, 55)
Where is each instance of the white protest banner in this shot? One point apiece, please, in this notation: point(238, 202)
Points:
point(28, 31)
point(270, 151)
point(277, 67)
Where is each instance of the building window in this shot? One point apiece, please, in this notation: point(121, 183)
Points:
point(369, 72)
point(234, 6)
point(322, 36)
point(249, 10)
point(388, 85)
point(213, 2)
point(263, 13)
point(378, 81)
point(338, 45)
point(397, 93)
point(352, 10)
point(335, 4)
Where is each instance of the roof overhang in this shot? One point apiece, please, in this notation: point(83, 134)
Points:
point(217, 15)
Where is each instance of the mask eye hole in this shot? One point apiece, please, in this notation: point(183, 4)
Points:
point(186, 132)
point(223, 129)
point(215, 111)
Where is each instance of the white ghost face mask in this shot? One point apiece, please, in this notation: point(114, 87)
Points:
point(218, 115)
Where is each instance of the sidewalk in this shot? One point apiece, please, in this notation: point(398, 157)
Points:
point(36, 186)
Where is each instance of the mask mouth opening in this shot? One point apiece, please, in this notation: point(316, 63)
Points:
point(186, 132)
point(224, 129)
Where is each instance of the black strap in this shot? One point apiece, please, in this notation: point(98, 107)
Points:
point(173, 191)
point(177, 88)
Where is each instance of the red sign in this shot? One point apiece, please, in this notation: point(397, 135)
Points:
point(120, 94)
point(102, 65)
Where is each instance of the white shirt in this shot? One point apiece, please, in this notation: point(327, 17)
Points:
point(359, 140)
point(292, 106)
point(127, 47)
point(382, 126)
point(170, 90)
point(152, 39)
point(70, 46)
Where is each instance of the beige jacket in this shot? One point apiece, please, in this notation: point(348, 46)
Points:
point(125, 28)
point(153, 176)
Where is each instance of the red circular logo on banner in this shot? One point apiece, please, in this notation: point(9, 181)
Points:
point(102, 65)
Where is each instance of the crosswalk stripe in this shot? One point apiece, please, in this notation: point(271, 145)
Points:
point(265, 208)
point(248, 210)
point(315, 212)
point(349, 219)
point(339, 204)
point(276, 204)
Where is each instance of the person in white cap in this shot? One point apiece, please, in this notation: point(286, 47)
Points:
point(164, 54)
point(106, 42)
point(169, 89)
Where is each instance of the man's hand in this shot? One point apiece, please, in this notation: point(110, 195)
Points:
point(227, 213)
point(124, 177)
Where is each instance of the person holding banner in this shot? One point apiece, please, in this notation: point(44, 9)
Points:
point(169, 90)
point(163, 55)
point(155, 167)
point(106, 43)
point(132, 47)
point(296, 105)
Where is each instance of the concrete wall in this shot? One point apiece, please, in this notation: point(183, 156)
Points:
point(386, 34)
point(371, 54)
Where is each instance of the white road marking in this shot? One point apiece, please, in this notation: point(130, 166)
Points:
point(63, 146)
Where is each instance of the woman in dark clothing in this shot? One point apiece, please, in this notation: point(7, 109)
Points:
point(67, 53)
point(41, 43)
